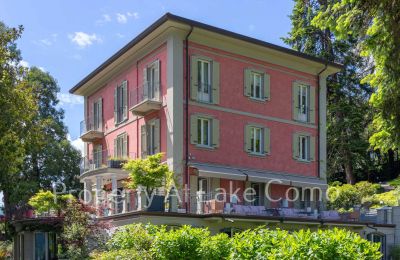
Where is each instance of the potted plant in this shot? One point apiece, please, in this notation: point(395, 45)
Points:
point(116, 162)
point(150, 174)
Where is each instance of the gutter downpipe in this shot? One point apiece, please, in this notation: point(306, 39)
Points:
point(187, 179)
point(319, 118)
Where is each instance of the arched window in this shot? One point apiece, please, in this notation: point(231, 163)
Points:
point(378, 238)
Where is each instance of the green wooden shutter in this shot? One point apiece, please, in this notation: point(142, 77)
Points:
point(295, 100)
point(194, 78)
point(247, 82)
point(192, 193)
point(193, 129)
point(116, 105)
point(157, 82)
point(312, 148)
point(143, 140)
point(157, 131)
point(295, 146)
point(215, 184)
point(312, 105)
point(267, 141)
point(267, 91)
point(125, 99)
point(144, 94)
point(215, 82)
point(247, 141)
point(100, 113)
point(115, 148)
point(215, 132)
point(125, 146)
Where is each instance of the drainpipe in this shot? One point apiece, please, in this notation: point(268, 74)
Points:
point(187, 116)
point(319, 117)
point(137, 118)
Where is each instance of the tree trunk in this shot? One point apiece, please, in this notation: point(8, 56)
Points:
point(348, 169)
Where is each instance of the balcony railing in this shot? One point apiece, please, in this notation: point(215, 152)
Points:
point(211, 203)
point(145, 99)
point(102, 159)
point(91, 129)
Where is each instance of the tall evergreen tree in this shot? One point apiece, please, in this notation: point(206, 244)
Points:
point(348, 111)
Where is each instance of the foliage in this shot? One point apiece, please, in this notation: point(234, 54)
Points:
point(261, 243)
point(348, 112)
point(395, 182)
point(123, 238)
point(123, 254)
point(82, 232)
point(148, 172)
point(390, 198)
point(395, 252)
point(375, 25)
point(5, 249)
point(45, 201)
point(346, 196)
point(304, 244)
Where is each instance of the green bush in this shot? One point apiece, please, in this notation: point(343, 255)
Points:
point(303, 244)
point(345, 197)
point(390, 198)
point(151, 242)
point(133, 236)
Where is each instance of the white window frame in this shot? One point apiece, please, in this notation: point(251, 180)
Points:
point(150, 81)
point(119, 152)
point(151, 128)
point(254, 131)
point(97, 156)
point(304, 152)
point(253, 91)
point(304, 104)
point(201, 138)
point(202, 95)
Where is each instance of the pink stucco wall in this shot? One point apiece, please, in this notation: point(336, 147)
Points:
point(134, 75)
point(231, 150)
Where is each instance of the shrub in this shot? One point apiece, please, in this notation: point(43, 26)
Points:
point(133, 236)
point(122, 254)
point(390, 198)
point(5, 249)
point(303, 244)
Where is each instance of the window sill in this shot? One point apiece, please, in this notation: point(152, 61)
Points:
point(120, 123)
point(259, 155)
point(258, 100)
point(205, 147)
point(303, 161)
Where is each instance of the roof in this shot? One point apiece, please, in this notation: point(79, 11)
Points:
point(175, 18)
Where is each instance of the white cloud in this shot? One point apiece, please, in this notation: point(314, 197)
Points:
point(24, 64)
point(105, 18)
point(121, 18)
point(120, 35)
point(83, 39)
point(69, 99)
point(42, 69)
point(77, 143)
point(135, 15)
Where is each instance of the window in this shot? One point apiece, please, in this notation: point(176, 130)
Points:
point(378, 238)
point(52, 249)
point(121, 103)
point(303, 103)
point(256, 197)
point(150, 138)
point(97, 115)
point(204, 80)
point(97, 156)
point(303, 147)
point(121, 146)
point(40, 246)
point(202, 189)
point(256, 139)
point(152, 81)
point(256, 85)
point(203, 131)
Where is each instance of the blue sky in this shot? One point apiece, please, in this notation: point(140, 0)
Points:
point(71, 38)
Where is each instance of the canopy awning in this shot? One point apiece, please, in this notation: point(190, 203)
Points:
point(219, 172)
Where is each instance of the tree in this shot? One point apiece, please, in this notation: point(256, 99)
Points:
point(376, 26)
point(347, 101)
point(149, 173)
point(46, 201)
point(17, 106)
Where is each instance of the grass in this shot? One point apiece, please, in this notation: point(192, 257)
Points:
point(395, 182)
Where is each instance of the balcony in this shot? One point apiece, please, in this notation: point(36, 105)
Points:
point(91, 129)
point(145, 99)
point(101, 160)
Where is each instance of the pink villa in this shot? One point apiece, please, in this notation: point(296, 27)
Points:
point(230, 113)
